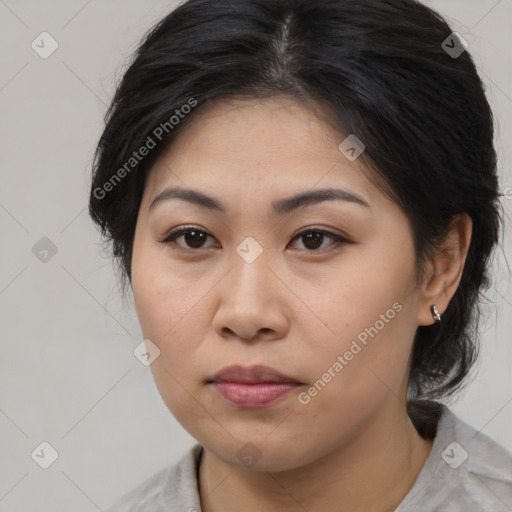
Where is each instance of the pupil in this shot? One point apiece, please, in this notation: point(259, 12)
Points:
point(194, 237)
point(315, 237)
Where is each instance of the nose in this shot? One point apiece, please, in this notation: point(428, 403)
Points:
point(252, 303)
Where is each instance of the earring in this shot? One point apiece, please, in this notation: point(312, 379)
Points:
point(435, 313)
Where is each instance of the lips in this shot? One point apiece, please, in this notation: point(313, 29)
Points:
point(252, 375)
point(251, 387)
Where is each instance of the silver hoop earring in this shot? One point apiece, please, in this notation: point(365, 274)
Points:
point(435, 313)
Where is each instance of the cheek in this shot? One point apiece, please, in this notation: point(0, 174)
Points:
point(369, 318)
point(163, 298)
point(165, 308)
point(167, 314)
point(362, 299)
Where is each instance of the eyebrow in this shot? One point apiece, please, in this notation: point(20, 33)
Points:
point(279, 207)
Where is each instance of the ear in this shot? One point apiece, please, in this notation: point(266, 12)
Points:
point(443, 274)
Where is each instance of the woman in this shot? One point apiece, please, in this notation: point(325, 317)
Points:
point(303, 199)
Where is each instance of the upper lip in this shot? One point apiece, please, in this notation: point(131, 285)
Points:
point(251, 374)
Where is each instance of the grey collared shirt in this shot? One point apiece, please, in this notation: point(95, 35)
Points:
point(466, 471)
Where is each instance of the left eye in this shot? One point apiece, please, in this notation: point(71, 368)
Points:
point(195, 238)
point(316, 237)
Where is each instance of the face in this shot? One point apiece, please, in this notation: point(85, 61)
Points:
point(323, 292)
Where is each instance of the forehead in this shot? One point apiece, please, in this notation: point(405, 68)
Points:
point(266, 146)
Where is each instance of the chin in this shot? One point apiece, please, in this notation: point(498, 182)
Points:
point(261, 454)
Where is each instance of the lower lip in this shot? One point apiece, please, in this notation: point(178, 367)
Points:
point(253, 395)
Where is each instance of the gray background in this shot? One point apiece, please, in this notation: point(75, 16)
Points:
point(67, 372)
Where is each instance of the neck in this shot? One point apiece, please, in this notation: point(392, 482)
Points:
point(372, 473)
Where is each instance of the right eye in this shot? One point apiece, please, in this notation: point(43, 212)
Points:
point(192, 236)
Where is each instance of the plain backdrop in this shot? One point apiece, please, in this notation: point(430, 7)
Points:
point(68, 376)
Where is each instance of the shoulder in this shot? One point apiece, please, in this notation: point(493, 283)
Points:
point(173, 488)
point(481, 466)
point(466, 470)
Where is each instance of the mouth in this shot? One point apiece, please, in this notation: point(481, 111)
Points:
point(252, 387)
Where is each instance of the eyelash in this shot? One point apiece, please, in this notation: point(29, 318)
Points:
point(173, 235)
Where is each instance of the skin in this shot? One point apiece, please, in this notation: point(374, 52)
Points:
point(296, 308)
